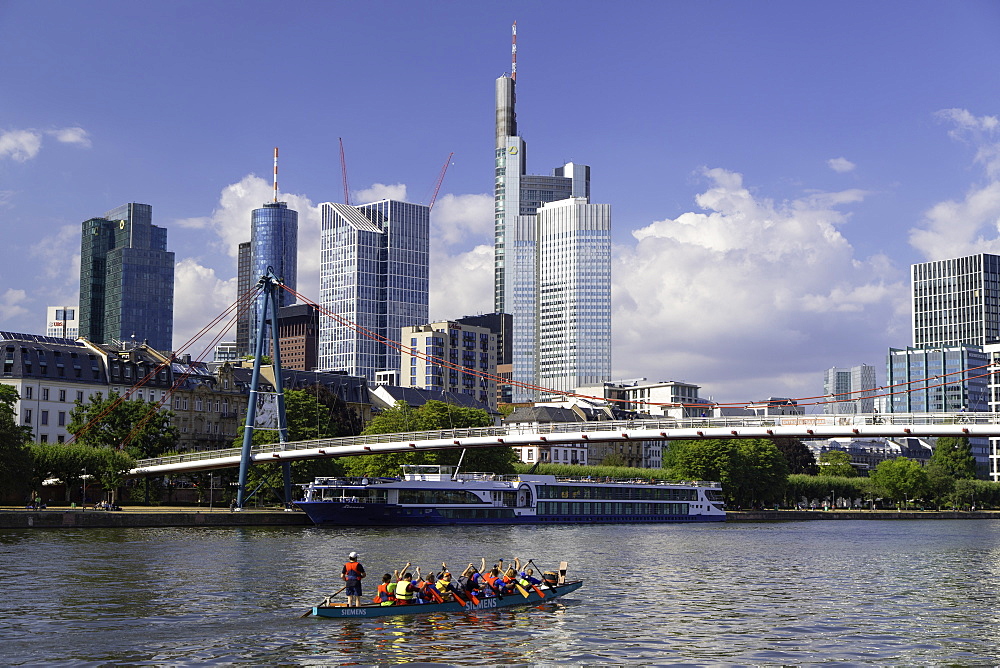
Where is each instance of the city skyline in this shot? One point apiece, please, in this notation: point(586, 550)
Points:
point(775, 169)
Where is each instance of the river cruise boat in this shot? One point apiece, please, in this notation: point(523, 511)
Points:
point(438, 495)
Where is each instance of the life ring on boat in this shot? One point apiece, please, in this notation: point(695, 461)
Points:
point(522, 499)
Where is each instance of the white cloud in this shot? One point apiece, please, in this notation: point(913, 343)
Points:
point(58, 255)
point(74, 135)
point(841, 165)
point(749, 289)
point(11, 304)
point(457, 219)
point(954, 228)
point(461, 284)
point(379, 191)
point(978, 131)
point(20, 145)
point(199, 297)
point(23, 145)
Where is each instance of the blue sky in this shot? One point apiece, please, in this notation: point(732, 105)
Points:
point(773, 168)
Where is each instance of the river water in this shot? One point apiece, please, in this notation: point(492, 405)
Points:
point(840, 592)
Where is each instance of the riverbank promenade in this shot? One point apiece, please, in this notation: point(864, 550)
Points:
point(186, 516)
point(147, 516)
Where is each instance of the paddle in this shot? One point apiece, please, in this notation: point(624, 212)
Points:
point(326, 600)
point(535, 587)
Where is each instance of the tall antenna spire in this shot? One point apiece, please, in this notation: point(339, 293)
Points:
point(275, 173)
point(513, 52)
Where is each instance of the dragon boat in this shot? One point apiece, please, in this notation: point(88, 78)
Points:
point(541, 595)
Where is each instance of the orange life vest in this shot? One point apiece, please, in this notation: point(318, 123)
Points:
point(352, 570)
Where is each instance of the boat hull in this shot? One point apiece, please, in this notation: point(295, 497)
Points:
point(331, 513)
point(510, 600)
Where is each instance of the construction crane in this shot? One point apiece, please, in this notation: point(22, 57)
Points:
point(343, 170)
point(440, 180)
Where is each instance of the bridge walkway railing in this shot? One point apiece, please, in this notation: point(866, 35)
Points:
point(665, 423)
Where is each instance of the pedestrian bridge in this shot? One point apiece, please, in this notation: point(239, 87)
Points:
point(897, 425)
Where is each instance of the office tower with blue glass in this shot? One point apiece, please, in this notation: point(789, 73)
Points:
point(527, 254)
point(126, 279)
point(274, 232)
point(956, 332)
point(374, 268)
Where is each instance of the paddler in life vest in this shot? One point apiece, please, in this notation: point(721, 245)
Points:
point(404, 589)
point(386, 594)
point(352, 573)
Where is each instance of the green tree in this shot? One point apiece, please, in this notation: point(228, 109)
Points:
point(900, 479)
point(138, 427)
point(431, 416)
point(800, 458)
point(14, 454)
point(953, 456)
point(752, 471)
point(836, 463)
point(68, 462)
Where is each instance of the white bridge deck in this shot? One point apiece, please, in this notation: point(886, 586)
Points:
point(659, 429)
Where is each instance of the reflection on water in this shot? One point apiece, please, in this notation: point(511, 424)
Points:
point(899, 592)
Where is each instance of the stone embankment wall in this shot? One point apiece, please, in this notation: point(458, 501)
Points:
point(798, 515)
point(55, 519)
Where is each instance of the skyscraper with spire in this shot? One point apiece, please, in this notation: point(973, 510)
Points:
point(274, 230)
point(571, 245)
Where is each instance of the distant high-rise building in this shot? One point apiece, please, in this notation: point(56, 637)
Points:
point(517, 252)
point(957, 301)
point(62, 322)
point(243, 284)
point(225, 352)
point(374, 271)
point(298, 336)
point(851, 390)
point(956, 305)
point(126, 279)
point(274, 230)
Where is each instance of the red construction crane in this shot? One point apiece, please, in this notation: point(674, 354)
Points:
point(440, 180)
point(343, 170)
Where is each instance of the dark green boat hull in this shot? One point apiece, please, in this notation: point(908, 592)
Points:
point(510, 600)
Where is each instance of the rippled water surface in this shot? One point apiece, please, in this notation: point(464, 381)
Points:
point(848, 592)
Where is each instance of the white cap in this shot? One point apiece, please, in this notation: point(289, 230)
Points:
point(352, 555)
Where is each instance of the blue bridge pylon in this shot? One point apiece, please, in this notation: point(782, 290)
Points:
point(269, 284)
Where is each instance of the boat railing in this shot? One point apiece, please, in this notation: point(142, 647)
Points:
point(477, 476)
point(590, 480)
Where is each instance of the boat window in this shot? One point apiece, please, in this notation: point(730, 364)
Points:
point(354, 495)
point(438, 496)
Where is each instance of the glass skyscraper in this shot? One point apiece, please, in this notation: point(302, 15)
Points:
point(274, 231)
point(957, 301)
point(374, 268)
point(126, 279)
point(956, 308)
point(518, 254)
point(243, 285)
point(574, 294)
